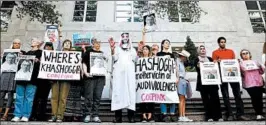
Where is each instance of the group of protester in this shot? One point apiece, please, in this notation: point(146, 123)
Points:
point(31, 96)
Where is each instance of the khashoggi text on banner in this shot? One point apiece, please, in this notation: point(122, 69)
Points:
point(210, 73)
point(60, 65)
point(156, 80)
point(230, 70)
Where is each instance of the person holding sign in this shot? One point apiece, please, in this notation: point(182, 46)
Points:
point(165, 46)
point(223, 53)
point(60, 92)
point(8, 84)
point(93, 85)
point(124, 81)
point(209, 93)
point(253, 82)
point(147, 108)
point(184, 88)
point(25, 90)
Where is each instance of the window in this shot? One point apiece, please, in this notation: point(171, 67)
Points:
point(257, 15)
point(6, 11)
point(85, 11)
point(133, 11)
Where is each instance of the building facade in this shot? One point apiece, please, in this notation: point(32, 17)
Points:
point(242, 23)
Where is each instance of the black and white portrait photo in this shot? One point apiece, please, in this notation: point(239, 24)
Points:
point(150, 22)
point(10, 60)
point(97, 64)
point(25, 68)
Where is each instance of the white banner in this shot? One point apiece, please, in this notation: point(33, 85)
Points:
point(250, 65)
point(230, 70)
point(98, 65)
point(10, 60)
point(210, 73)
point(25, 68)
point(60, 65)
point(156, 80)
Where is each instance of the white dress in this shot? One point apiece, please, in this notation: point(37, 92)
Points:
point(124, 82)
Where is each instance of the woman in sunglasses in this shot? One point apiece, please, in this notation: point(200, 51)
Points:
point(251, 74)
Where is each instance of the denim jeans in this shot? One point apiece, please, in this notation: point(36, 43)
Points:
point(24, 100)
point(164, 108)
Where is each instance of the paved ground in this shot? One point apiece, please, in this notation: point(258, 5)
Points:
point(157, 123)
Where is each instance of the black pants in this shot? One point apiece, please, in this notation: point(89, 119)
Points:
point(10, 98)
point(93, 88)
point(147, 107)
point(118, 115)
point(239, 102)
point(211, 102)
point(256, 98)
point(39, 108)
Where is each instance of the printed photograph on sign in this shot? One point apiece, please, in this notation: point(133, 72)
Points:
point(98, 65)
point(25, 68)
point(210, 74)
point(250, 65)
point(51, 34)
point(10, 60)
point(80, 39)
point(230, 72)
point(150, 22)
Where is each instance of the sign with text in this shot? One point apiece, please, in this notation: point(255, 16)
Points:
point(210, 73)
point(60, 65)
point(250, 65)
point(156, 80)
point(98, 65)
point(81, 39)
point(230, 70)
point(25, 68)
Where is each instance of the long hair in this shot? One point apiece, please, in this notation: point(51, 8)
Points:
point(67, 40)
point(149, 48)
point(264, 48)
point(163, 43)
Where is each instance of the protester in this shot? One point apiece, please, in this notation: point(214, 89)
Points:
point(93, 86)
point(165, 45)
point(124, 81)
point(209, 93)
point(25, 90)
point(60, 92)
point(8, 84)
point(155, 49)
point(184, 88)
point(253, 82)
point(264, 54)
point(223, 53)
point(39, 108)
point(147, 109)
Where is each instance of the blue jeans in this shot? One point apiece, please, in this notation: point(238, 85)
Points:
point(24, 100)
point(164, 108)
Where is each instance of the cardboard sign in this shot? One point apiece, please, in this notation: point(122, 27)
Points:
point(230, 70)
point(210, 73)
point(25, 68)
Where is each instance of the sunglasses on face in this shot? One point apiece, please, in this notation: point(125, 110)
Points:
point(245, 53)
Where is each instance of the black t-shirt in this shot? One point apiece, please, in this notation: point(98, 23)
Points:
point(165, 54)
point(86, 58)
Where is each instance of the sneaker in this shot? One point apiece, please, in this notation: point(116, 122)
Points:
point(260, 117)
point(186, 119)
point(243, 118)
point(210, 120)
point(53, 119)
point(24, 119)
point(15, 119)
point(220, 120)
point(87, 119)
point(96, 119)
point(59, 120)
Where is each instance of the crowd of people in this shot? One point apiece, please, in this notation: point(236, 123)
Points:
point(31, 96)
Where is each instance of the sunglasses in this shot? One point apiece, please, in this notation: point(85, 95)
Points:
point(245, 53)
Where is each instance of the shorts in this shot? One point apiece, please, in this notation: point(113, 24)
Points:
point(182, 87)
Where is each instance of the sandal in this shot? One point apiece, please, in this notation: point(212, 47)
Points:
point(4, 118)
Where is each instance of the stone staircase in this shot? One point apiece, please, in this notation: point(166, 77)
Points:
point(194, 109)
